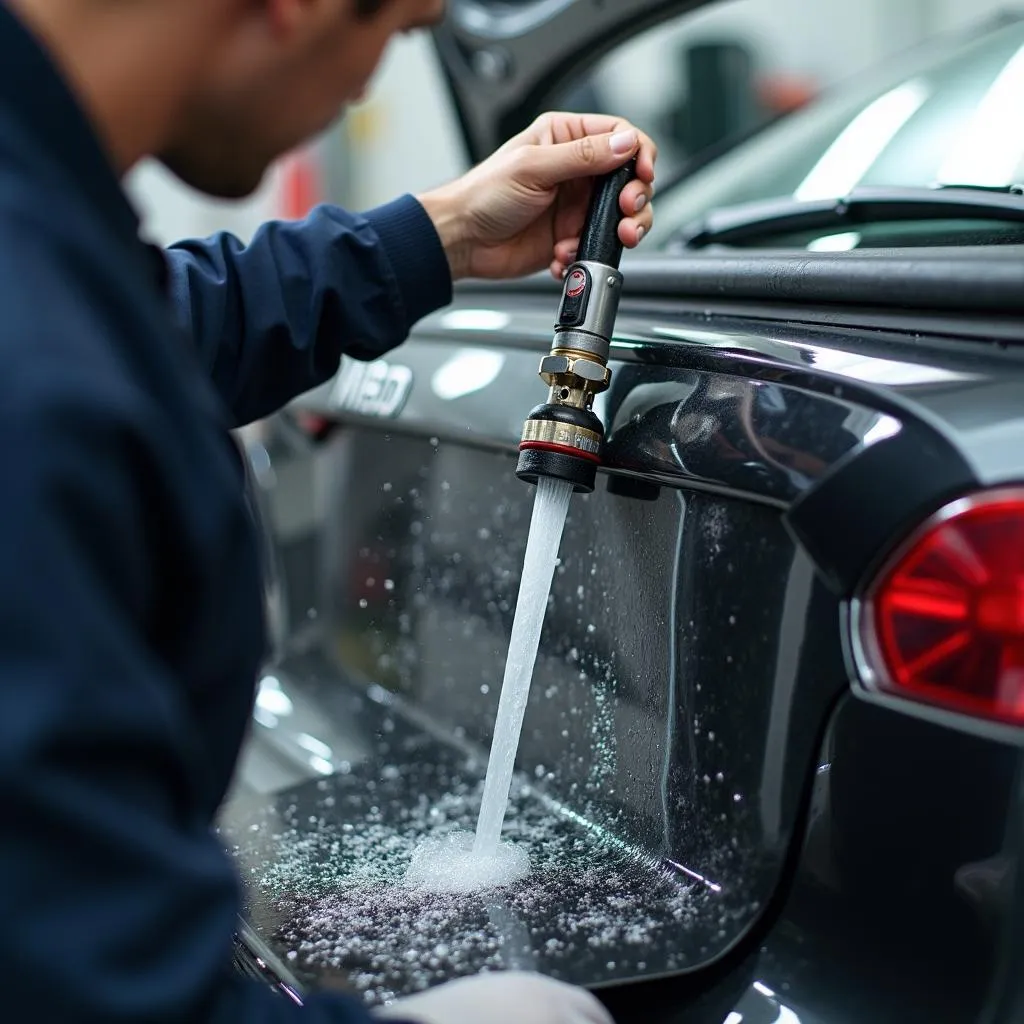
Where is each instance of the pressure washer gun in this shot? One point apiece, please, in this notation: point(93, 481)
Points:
point(563, 437)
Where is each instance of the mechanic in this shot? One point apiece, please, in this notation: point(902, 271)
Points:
point(130, 605)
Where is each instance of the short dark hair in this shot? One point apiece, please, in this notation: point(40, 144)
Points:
point(368, 8)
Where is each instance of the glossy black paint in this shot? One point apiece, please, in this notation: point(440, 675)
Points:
point(855, 871)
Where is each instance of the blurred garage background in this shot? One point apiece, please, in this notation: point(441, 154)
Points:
point(748, 61)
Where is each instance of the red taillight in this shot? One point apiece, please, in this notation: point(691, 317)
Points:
point(944, 621)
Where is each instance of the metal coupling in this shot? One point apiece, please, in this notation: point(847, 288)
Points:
point(563, 438)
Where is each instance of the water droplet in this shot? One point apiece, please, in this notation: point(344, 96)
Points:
point(732, 620)
point(386, 487)
point(736, 797)
point(484, 688)
point(389, 584)
point(363, 603)
point(591, 628)
point(720, 777)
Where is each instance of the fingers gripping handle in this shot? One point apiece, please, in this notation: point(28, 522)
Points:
point(599, 242)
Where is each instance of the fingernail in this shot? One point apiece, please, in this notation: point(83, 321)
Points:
point(623, 142)
point(639, 233)
point(641, 202)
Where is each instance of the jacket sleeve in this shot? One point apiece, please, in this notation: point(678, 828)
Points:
point(273, 318)
point(118, 902)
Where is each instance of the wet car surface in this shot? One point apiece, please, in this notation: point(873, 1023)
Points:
point(727, 820)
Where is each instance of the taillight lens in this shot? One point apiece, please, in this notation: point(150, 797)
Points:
point(944, 621)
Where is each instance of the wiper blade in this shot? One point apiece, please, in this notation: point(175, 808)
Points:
point(747, 222)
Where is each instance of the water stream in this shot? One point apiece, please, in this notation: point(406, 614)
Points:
point(460, 862)
point(550, 508)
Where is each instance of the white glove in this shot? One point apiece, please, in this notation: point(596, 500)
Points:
point(502, 997)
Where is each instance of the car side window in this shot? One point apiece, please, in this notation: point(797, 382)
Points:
point(745, 110)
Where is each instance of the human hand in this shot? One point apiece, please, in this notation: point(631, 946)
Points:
point(523, 208)
point(505, 997)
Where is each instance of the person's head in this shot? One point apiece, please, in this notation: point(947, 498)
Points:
point(218, 89)
point(284, 71)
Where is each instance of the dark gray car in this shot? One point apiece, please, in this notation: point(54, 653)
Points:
point(771, 768)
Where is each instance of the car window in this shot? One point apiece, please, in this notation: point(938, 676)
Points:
point(948, 113)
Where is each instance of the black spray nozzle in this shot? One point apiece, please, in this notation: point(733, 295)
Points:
point(561, 441)
point(599, 241)
point(563, 437)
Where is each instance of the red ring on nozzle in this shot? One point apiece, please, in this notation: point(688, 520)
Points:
point(561, 449)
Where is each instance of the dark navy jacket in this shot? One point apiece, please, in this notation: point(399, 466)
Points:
point(130, 613)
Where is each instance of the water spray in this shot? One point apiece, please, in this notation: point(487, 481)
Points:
point(559, 452)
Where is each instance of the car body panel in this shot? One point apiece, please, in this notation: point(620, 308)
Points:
point(693, 652)
point(724, 827)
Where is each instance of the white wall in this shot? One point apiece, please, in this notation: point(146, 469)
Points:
point(405, 137)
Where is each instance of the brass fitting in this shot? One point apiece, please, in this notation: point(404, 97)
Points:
point(567, 368)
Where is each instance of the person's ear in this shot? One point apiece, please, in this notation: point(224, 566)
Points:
point(288, 18)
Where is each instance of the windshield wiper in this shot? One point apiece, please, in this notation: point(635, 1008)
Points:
point(748, 222)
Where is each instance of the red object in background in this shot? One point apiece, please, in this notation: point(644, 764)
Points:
point(947, 616)
point(301, 187)
point(782, 94)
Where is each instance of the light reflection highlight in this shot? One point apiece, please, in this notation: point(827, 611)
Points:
point(272, 700)
point(989, 151)
point(469, 370)
point(713, 886)
point(844, 241)
point(884, 427)
point(316, 747)
point(862, 142)
point(475, 320)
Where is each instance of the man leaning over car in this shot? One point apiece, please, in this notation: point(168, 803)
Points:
point(130, 611)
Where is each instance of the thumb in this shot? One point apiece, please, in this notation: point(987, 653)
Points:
point(548, 166)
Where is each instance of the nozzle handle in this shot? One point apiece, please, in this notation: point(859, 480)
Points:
point(599, 241)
